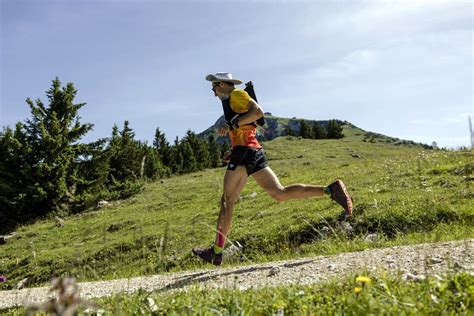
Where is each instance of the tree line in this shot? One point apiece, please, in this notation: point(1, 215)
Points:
point(331, 130)
point(45, 170)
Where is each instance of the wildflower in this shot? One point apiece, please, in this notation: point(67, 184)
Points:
point(3, 278)
point(357, 290)
point(364, 280)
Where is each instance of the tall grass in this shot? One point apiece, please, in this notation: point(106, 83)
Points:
point(403, 195)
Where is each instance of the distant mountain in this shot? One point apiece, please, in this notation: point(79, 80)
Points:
point(274, 127)
point(279, 126)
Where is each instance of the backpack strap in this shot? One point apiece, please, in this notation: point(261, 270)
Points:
point(250, 90)
point(229, 114)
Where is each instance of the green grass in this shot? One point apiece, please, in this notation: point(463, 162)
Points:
point(388, 295)
point(385, 295)
point(404, 194)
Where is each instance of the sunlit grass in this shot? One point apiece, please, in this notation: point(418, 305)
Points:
point(378, 294)
point(361, 294)
point(403, 195)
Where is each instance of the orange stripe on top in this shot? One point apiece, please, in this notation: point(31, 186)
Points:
point(245, 135)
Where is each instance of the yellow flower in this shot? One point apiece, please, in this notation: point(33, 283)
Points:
point(357, 290)
point(364, 280)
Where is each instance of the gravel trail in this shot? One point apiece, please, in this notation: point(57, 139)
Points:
point(413, 262)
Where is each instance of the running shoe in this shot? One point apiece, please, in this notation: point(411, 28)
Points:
point(208, 255)
point(339, 195)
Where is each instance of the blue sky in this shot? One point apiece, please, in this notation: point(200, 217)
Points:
point(402, 68)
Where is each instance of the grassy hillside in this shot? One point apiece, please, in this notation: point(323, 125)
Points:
point(277, 126)
point(403, 194)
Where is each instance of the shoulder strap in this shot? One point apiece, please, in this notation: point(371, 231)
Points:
point(250, 90)
point(229, 114)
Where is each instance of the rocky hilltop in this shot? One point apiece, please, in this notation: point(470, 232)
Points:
point(280, 126)
point(274, 127)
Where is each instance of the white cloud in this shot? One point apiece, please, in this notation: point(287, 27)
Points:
point(353, 64)
point(378, 15)
point(442, 121)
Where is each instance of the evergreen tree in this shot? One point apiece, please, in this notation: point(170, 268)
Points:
point(53, 132)
point(162, 147)
point(127, 134)
point(16, 178)
point(126, 155)
point(113, 151)
point(319, 131)
point(334, 130)
point(154, 168)
point(93, 171)
point(115, 134)
point(214, 152)
point(199, 148)
point(126, 160)
point(176, 156)
point(305, 131)
point(189, 160)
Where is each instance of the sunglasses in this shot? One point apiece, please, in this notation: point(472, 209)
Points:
point(214, 85)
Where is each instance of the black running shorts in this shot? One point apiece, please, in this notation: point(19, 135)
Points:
point(253, 159)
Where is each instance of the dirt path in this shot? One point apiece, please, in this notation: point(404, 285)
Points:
point(413, 262)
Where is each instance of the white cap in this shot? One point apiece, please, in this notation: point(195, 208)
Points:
point(223, 76)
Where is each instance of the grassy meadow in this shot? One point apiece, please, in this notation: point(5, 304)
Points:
point(374, 296)
point(402, 194)
point(452, 294)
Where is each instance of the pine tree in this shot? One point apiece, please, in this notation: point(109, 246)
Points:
point(126, 156)
point(334, 130)
point(113, 151)
point(126, 160)
point(16, 178)
point(199, 148)
point(127, 134)
point(154, 168)
point(214, 152)
point(319, 131)
point(53, 132)
point(115, 133)
point(162, 147)
point(93, 171)
point(304, 129)
point(189, 160)
point(176, 157)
